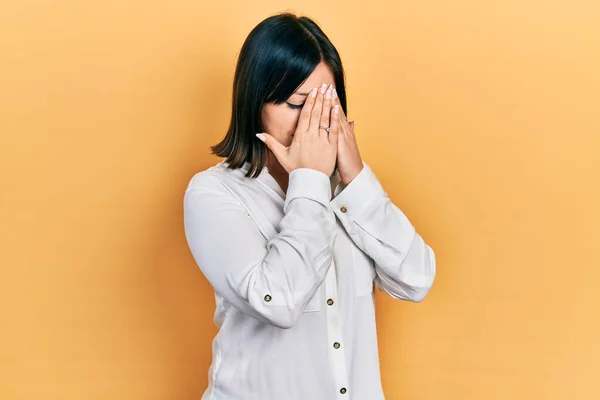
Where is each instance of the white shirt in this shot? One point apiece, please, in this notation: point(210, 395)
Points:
point(293, 276)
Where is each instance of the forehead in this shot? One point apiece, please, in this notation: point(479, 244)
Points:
point(322, 74)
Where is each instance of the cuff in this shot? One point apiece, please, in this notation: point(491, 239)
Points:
point(352, 199)
point(310, 184)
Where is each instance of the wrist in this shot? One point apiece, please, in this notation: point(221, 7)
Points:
point(347, 178)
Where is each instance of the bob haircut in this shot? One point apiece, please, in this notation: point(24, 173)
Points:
point(276, 58)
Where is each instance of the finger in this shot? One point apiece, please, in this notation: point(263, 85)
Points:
point(343, 118)
point(334, 128)
point(305, 113)
point(327, 103)
point(315, 117)
point(351, 127)
point(280, 151)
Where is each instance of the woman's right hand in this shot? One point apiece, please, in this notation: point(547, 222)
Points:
point(311, 147)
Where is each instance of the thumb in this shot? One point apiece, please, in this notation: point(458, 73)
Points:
point(279, 150)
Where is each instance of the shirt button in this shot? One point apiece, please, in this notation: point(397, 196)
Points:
point(336, 345)
point(343, 209)
point(268, 297)
point(330, 302)
point(343, 390)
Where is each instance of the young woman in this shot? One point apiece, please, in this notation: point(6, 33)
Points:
point(294, 230)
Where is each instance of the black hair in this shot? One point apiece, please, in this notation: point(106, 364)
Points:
point(276, 58)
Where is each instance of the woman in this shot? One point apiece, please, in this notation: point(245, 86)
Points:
point(293, 233)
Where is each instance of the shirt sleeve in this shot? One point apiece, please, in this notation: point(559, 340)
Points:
point(271, 280)
point(405, 265)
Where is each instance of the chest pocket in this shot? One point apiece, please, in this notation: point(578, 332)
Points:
point(364, 272)
point(265, 227)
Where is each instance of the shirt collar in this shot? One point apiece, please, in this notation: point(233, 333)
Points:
point(266, 178)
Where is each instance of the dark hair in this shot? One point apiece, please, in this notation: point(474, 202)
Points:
point(276, 58)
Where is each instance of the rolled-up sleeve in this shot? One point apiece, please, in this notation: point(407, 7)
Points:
point(405, 265)
point(271, 280)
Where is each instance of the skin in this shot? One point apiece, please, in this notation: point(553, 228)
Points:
point(281, 122)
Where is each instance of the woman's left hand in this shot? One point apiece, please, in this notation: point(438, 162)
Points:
point(349, 162)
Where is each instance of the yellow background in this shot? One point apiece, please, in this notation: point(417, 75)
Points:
point(480, 118)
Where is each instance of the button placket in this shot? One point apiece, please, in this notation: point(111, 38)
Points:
point(337, 357)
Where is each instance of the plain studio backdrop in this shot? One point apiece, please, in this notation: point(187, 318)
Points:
point(480, 118)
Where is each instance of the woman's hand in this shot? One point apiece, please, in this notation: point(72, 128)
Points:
point(311, 147)
point(349, 162)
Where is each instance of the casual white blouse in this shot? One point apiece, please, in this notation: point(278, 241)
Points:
point(293, 276)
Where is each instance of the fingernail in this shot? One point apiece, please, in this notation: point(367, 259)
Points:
point(336, 108)
point(314, 92)
point(261, 136)
point(328, 93)
point(323, 88)
point(334, 93)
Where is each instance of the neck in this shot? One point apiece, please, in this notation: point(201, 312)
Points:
point(278, 173)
